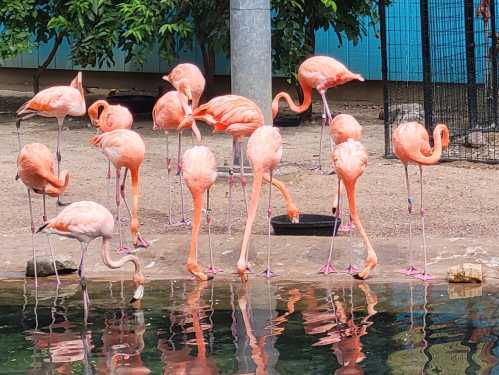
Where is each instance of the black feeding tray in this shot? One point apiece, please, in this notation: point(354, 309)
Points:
point(287, 120)
point(309, 225)
point(137, 104)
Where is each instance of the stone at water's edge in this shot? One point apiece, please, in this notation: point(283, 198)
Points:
point(44, 267)
point(465, 273)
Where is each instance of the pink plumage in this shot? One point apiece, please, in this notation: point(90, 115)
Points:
point(187, 79)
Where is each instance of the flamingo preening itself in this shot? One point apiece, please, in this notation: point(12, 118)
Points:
point(200, 172)
point(264, 153)
point(236, 116)
point(320, 73)
point(125, 149)
point(187, 79)
point(106, 118)
point(57, 102)
point(411, 144)
point(350, 161)
point(86, 221)
point(167, 114)
point(35, 168)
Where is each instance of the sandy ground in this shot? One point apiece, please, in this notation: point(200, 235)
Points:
point(460, 198)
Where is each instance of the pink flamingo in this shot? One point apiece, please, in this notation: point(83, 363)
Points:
point(320, 73)
point(125, 149)
point(58, 102)
point(411, 144)
point(106, 118)
point(350, 161)
point(35, 168)
point(85, 221)
point(293, 210)
point(200, 172)
point(236, 116)
point(187, 79)
point(167, 114)
point(264, 153)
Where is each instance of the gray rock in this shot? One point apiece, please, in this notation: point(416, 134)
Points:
point(475, 139)
point(44, 266)
point(465, 273)
point(404, 112)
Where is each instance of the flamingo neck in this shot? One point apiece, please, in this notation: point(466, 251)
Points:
point(197, 199)
point(279, 185)
point(298, 108)
point(106, 257)
point(441, 142)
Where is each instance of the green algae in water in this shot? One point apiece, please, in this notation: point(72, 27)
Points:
point(218, 327)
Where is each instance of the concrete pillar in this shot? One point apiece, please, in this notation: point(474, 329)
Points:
point(251, 53)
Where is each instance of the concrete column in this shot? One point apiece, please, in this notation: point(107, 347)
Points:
point(251, 53)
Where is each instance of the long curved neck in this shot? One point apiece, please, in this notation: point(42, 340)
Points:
point(298, 108)
point(56, 186)
point(255, 196)
point(101, 104)
point(196, 224)
point(352, 205)
point(440, 143)
point(106, 257)
point(279, 185)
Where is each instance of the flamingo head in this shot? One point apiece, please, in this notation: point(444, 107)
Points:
point(294, 214)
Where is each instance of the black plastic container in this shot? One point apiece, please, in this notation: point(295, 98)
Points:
point(309, 225)
point(283, 121)
point(137, 104)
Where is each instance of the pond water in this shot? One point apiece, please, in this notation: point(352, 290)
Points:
point(218, 327)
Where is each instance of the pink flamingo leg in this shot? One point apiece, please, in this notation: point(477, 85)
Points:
point(211, 269)
point(50, 244)
point(108, 176)
point(351, 269)
point(410, 270)
point(32, 237)
point(243, 178)
point(329, 267)
point(268, 272)
point(83, 279)
point(168, 172)
point(184, 221)
point(123, 249)
point(230, 180)
point(60, 122)
point(425, 276)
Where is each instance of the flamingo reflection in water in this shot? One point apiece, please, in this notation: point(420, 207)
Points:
point(192, 320)
point(342, 331)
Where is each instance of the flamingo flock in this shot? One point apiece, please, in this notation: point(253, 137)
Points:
point(239, 117)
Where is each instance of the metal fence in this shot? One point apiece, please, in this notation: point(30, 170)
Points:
point(439, 64)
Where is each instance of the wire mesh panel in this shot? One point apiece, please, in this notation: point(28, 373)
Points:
point(440, 66)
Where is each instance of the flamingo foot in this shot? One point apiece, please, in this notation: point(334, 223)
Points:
point(61, 203)
point(140, 241)
point(351, 269)
point(174, 224)
point(409, 271)
point(123, 250)
point(423, 276)
point(198, 274)
point(268, 274)
point(214, 270)
point(361, 275)
point(327, 268)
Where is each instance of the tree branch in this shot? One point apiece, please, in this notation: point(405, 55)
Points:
point(58, 40)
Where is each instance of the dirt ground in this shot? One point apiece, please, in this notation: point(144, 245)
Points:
point(460, 198)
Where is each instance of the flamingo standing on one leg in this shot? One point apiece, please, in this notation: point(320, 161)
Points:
point(350, 161)
point(86, 221)
point(411, 145)
point(187, 79)
point(264, 153)
point(58, 102)
point(35, 168)
point(234, 115)
point(125, 149)
point(200, 172)
point(320, 73)
point(167, 114)
point(106, 118)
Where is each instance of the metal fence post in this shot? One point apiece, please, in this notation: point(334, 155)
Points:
point(493, 55)
point(427, 84)
point(384, 73)
point(469, 15)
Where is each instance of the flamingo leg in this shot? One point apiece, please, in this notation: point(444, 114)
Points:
point(179, 172)
point(323, 125)
point(424, 275)
point(268, 272)
point(83, 279)
point(329, 267)
point(32, 237)
point(123, 249)
point(168, 177)
point(211, 269)
point(231, 184)
point(50, 244)
point(410, 270)
point(123, 195)
point(243, 178)
point(108, 176)
point(60, 122)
